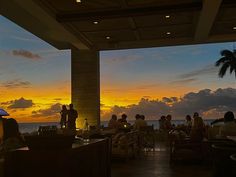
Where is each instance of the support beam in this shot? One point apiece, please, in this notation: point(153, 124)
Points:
point(35, 19)
point(206, 19)
point(85, 85)
point(127, 12)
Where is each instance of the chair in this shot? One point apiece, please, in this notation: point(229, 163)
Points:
point(125, 145)
point(147, 137)
point(184, 149)
point(223, 165)
point(233, 158)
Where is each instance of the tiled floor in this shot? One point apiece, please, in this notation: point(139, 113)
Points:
point(157, 165)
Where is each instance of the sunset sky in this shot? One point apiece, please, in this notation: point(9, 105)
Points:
point(35, 79)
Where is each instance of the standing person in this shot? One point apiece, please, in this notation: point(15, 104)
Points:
point(72, 116)
point(64, 113)
point(168, 124)
point(162, 122)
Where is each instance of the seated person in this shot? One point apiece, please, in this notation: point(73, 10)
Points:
point(139, 122)
point(198, 128)
point(123, 123)
point(113, 124)
point(229, 126)
point(188, 124)
point(217, 121)
point(12, 137)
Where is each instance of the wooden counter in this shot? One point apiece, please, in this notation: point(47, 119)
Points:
point(90, 159)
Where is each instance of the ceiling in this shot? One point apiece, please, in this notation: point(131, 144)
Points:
point(124, 24)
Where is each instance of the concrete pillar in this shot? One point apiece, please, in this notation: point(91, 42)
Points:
point(85, 85)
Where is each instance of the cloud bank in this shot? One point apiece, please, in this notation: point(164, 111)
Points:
point(17, 83)
point(211, 104)
point(21, 103)
point(52, 111)
point(26, 54)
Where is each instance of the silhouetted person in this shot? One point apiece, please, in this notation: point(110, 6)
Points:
point(198, 128)
point(12, 137)
point(2, 123)
point(168, 125)
point(139, 122)
point(229, 126)
point(123, 122)
point(123, 118)
point(188, 124)
point(64, 113)
point(72, 116)
point(113, 122)
point(162, 122)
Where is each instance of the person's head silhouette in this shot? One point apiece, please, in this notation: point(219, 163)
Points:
point(229, 116)
point(71, 106)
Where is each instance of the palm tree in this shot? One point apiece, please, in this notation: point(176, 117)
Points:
point(228, 60)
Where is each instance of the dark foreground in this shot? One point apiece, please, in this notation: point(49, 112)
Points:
point(156, 164)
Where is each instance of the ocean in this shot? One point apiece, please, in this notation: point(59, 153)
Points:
point(32, 127)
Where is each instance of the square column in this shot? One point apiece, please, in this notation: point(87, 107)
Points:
point(85, 85)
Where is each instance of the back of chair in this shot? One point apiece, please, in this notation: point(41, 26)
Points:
point(148, 128)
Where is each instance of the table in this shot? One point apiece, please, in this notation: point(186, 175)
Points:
point(233, 138)
point(90, 159)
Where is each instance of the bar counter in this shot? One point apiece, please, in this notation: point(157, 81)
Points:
point(90, 159)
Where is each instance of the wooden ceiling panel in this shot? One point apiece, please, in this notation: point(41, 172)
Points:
point(85, 5)
point(103, 25)
point(225, 20)
point(157, 20)
point(115, 36)
point(158, 2)
point(175, 31)
point(224, 28)
point(141, 22)
point(226, 14)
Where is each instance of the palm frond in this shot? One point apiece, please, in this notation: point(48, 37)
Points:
point(221, 61)
point(231, 69)
point(227, 53)
point(223, 70)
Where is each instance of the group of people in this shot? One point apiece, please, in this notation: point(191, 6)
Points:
point(194, 126)
point(121, 123)
point(68, 117)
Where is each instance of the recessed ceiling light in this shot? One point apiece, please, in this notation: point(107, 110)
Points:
point(168, 33)
point(234, 28)
point(108, 37)
point(95, 22)
point(167, 16)
point(78, 1)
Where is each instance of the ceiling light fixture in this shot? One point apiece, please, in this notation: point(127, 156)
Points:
point(167, 16)
point(168, 33)
point(95, 22)
point(78, 1)
point(108, 37)
point(234, 28)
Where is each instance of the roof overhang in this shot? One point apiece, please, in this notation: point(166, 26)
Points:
point(124, 24)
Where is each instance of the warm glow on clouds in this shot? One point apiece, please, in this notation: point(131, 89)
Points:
point(32, 101)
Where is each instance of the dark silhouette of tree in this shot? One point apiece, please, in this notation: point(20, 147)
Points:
point(228, 61)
